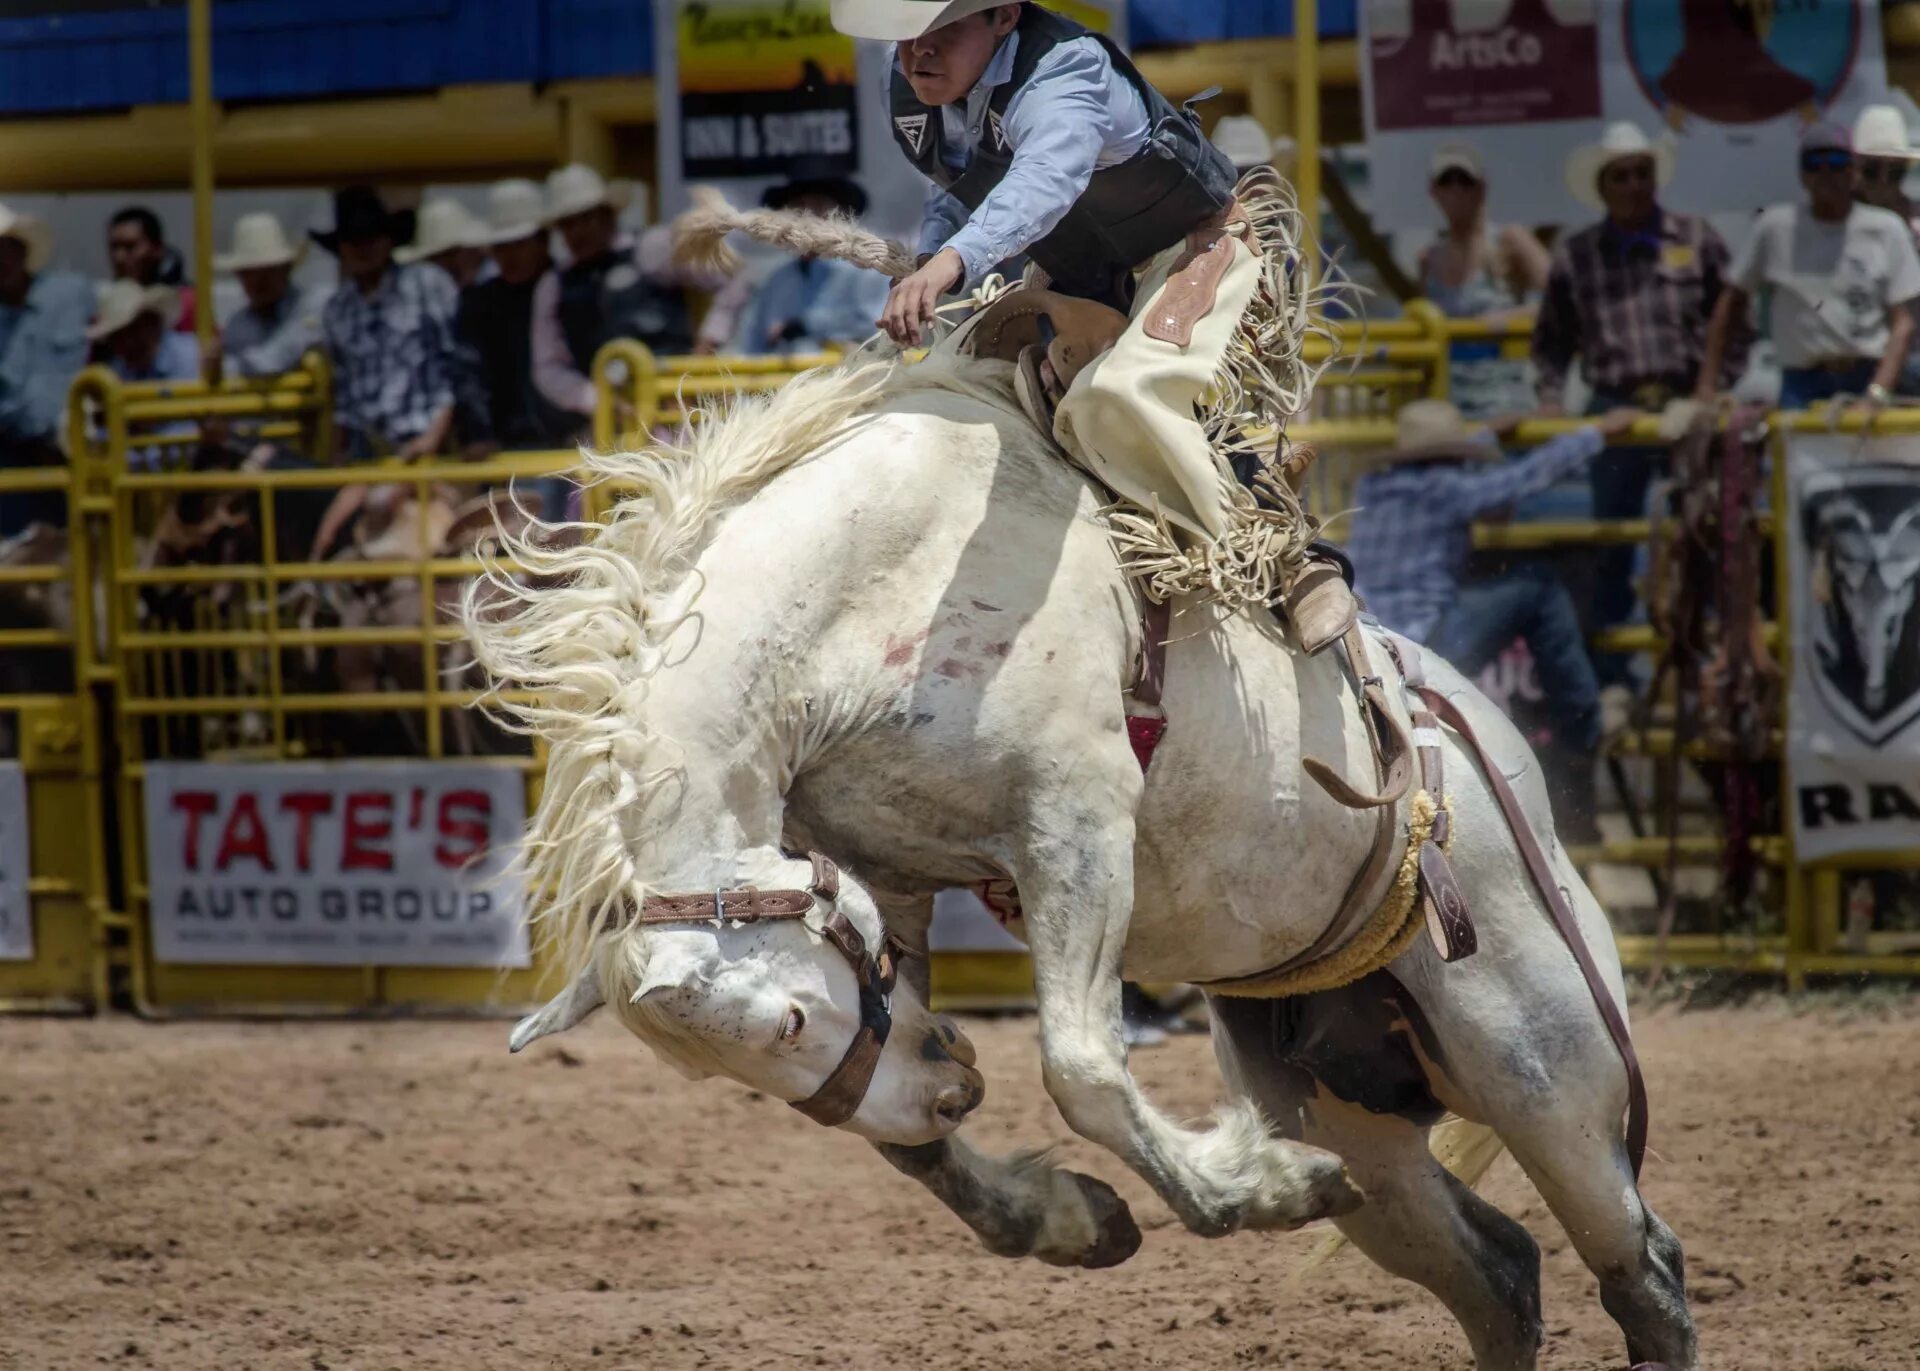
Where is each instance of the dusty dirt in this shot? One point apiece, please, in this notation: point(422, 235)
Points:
point(406, 1195)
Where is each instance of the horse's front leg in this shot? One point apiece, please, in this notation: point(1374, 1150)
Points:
point(1076, 889)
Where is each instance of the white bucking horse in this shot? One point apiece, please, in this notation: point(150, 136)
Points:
point(875, 616)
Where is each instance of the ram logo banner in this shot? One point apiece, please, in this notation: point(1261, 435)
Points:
point(1854, 712)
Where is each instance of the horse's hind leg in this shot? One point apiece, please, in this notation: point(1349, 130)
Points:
point(1418, 1222)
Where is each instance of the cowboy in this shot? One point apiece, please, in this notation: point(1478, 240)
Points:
point(389, 333)
point(1841, 279)
point(137, 250)
point(811, 303)
point(43, 346)
point(495, 326)
point(278, 325)
point(1042, 138)
point(1631, 298)
point(614, 287)
point(134, 334)
point(1413, 533)
point(449, 237)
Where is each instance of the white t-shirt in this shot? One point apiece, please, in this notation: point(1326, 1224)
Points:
point(1831, 283)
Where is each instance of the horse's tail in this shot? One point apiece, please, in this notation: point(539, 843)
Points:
point(699, 236)
point(1466, 1149)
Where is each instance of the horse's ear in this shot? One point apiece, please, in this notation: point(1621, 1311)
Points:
point(563, 1011)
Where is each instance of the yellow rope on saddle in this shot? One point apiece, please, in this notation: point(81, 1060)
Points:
point(1381, 939)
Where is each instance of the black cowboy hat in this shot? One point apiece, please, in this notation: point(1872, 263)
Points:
point(807, 177)
point(359, 213)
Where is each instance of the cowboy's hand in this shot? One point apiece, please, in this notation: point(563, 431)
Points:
point(1619, 420)
point(1867, 407)
point(910, 306)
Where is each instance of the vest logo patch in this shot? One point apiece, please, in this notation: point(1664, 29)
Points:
point(623, 277)
point(999, 130)
point(913, 127)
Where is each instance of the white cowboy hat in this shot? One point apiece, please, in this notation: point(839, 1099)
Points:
point(1244, 140)
point(1433, 429)
point(1881, 131)
point(516, 209)
point(578, 188)
point(123, 301)
point(1622, 138)
point(443, 225)
point(35, 235)
point(259, 241)
point(894, 20)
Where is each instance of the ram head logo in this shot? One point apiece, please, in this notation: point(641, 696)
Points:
point(1863, 538)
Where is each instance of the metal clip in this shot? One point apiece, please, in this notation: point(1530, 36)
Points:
point(719, 909)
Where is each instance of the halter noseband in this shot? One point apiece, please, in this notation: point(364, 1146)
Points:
point(839, 1096)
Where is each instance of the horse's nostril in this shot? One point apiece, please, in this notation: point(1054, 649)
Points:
point(958, 1046)
point(955, 1103)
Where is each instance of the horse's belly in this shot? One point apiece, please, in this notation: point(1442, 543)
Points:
point(1241, 861)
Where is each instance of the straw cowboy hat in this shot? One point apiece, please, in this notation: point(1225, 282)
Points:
point(516, 209)
point(35, 236)
point(577, 188)
point(444, 225)
point(1432, 430)
point(1622, 139)
point(893, 20)
point(124, 301)
point(1244, 140)
point(259, 241)
point(1881, 131)
point(358, 214)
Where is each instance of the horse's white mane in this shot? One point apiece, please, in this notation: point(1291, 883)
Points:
point(580, 634)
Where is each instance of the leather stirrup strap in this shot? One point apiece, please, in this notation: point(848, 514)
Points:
point(1389, 736)
point(1563, 919)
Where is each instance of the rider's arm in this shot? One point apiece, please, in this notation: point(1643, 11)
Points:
point(944, 216)
point(1498, 485)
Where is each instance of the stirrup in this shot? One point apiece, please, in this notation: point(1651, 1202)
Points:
point(1320, 605)
point(1037, 397)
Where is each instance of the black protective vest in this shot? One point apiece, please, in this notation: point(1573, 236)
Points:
point(1128, 212)
point(495, 322)
point(608, 298)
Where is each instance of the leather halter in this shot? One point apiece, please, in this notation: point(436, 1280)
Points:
point(839, 1096)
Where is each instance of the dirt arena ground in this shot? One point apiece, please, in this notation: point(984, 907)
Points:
point(372, 1196)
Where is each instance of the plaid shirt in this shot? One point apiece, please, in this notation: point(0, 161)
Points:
point(1634, 307)
point(1414, 528)
point(392, 352)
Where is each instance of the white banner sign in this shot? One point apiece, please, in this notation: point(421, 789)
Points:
point(16, 907)
point(1525, 82)
point(1853, 718)
point(326, 864)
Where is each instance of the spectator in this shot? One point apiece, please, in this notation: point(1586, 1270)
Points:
point(1885, 157)
point(808, 304)
point(1414, 530)
point(43, 345)
point(1245, 141)
point(1630, 297)
point(137, 250)
point(451, 239)
point(612, 287)
point(1841, 278)
point(494, 327)
point(389, 332)
point(278, 325)
point(1473, 271)
point(133, 335)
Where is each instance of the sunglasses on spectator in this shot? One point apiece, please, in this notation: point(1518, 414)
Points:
point(1629, 174)
point(1825, 159)
point(1456, 178)
point(1880, 170)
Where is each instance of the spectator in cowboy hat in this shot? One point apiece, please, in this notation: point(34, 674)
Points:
point(1841, 280)
point(278, 325)
point(1630, 297)
point(494, 327)
point(808, 304)
point(137, 250)
point(1413, 532)
point(612, 287)
point(450, 238)
point(389, 333)
point(134, 334)
point(1885, 155)
point(1245, 141)
point(43, 345)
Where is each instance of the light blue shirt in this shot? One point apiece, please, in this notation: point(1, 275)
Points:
point(1075, 116)
point(43, 345)
point(268, 344)
point(176, 359)
point(822, 301)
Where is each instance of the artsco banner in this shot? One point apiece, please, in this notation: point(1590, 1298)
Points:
point(1525, 82)
point(329, 864)
point(1853, 715)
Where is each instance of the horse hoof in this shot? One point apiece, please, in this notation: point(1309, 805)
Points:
point(1118, 1236)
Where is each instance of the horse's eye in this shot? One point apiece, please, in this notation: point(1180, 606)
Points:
point(796, 1021)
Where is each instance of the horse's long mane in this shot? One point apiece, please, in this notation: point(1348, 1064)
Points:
point(581, 633)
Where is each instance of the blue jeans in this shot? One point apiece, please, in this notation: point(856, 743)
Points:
point(1620, 477)
point(1528, 601)
point(1802, 387)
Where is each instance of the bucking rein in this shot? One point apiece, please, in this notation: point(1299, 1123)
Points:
point(1354, 944)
